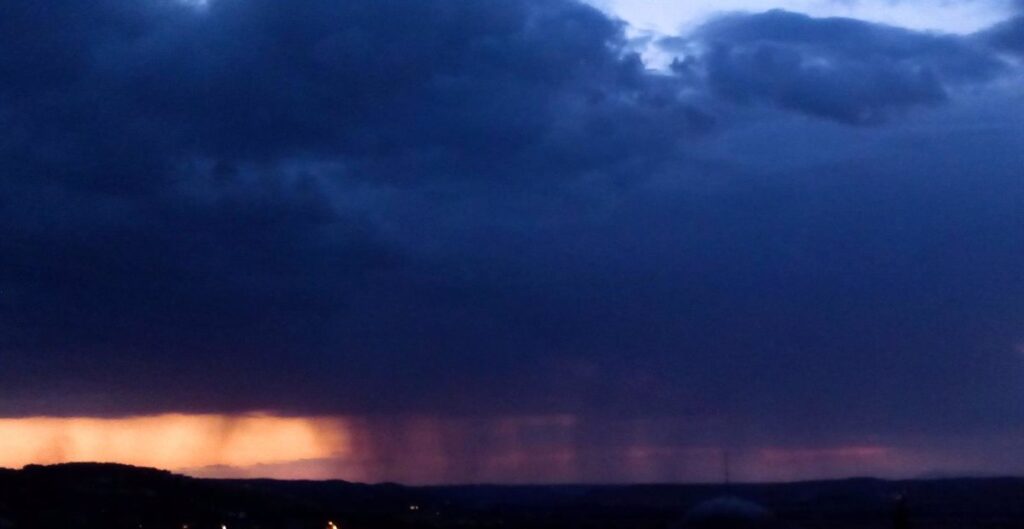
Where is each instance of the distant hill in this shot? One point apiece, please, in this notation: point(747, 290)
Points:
point(88, 495)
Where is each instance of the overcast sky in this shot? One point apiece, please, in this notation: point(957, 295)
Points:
point(485, 241)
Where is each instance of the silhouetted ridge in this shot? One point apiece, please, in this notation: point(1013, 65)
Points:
point(87, 495)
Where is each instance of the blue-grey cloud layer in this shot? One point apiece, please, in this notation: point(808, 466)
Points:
point(847, 70)
point(457, 206)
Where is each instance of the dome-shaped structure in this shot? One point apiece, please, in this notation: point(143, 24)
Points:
point(728, 512)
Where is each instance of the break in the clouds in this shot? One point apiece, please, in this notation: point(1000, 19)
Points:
point(668, 16)
point(804, 236)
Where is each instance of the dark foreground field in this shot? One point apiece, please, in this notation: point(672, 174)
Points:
point(112, 496)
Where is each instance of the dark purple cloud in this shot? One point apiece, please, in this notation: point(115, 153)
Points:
point(456, 208)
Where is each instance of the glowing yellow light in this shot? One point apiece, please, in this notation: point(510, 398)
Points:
point(173, 441)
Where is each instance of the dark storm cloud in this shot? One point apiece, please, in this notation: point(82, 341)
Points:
point(387, 88)
point(458, 207)
point(176, 173)
point(1008, 36)
point(848, 70)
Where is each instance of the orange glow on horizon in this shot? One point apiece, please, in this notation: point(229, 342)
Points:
point(172, 441)
point(417, 449)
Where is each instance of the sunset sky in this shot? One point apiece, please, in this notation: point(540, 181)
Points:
point(519, 241)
